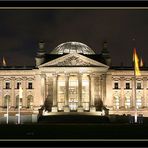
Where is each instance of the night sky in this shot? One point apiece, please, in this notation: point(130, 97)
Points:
point(21, 30)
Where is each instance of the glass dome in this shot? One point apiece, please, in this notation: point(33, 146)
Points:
point(72, 47)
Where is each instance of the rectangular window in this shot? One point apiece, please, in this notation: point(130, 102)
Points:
point(116, 85)
point(138, 85)
point(7, 85)
point(18, 85)
point(30, 85)
point(127, 85)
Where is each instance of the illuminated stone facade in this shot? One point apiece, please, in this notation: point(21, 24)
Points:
point(73, 78)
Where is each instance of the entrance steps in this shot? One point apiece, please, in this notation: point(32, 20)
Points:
point(99, 113)
point(73, 117)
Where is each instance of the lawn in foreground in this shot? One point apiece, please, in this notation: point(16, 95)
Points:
point(75, 131)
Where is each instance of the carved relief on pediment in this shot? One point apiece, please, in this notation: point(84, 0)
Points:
point(72, 61)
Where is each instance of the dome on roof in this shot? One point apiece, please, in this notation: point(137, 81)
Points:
point(72, 47)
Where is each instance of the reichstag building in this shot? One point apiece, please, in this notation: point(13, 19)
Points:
point(73, 78)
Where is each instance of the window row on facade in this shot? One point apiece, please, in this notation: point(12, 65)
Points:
point(127, 103)
point(127, 85)
point(127, 100)
point(17, 86)
point(8, 101)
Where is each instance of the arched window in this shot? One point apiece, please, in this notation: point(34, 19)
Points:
point(116, 100)
point(139, 99)
point(17, 101)
point(29, 101)
point(5, 100)
point(127, 100)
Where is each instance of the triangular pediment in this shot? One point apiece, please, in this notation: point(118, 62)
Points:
point(73, 60)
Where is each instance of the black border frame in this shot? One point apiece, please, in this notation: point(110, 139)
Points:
point(70, 143)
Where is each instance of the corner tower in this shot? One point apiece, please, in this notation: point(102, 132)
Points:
point(105, 54)
point(40, 57)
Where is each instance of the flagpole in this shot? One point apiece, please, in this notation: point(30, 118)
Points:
point(7, 111)
point(135, 96)
point(20, 96)
point(19, 110)
point(136, 73)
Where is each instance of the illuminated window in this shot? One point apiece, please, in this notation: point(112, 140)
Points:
point(127, 85)
point(116, 86)
point(17, 101)
point(116, 102)
point(127, 103)
point(18, 85)
point(85, 93)
point(139, 96)
point(138, 85)
point(138, 103)
point(127, 99)
point(61, 92)
point(7, 85)
point(29, 101)
point(6, 98)
point(73, 92)
point(30, 85)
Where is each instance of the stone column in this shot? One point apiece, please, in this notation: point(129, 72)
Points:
point(122, 104)
point(24, 99)
point(43, 87)
point(66, 107)
point(13, 92)
point(80, 107)
point(99, 87)
point(1, 93)
point(133, 93)
point(108, 101)
point(47, 87)
point(92, 100)
point(89, 90)
point(103, 87)
point(144, 101)
point(55, 82)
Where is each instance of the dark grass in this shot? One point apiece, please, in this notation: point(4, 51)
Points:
point(74, 131)
point(76, 127)
point(73, 119)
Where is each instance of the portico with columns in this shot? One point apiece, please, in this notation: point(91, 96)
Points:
point(73, 83)
point(72, 91)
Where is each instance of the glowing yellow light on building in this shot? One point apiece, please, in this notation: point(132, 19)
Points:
point(136, 63)
point(4, 62)
point(141, 63)
point(20, 92)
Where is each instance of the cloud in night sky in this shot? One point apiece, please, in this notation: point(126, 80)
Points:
point(21, 30)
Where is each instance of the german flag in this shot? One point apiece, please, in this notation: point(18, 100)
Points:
point(4, 62)
point(136, 63)
point(141, 63)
